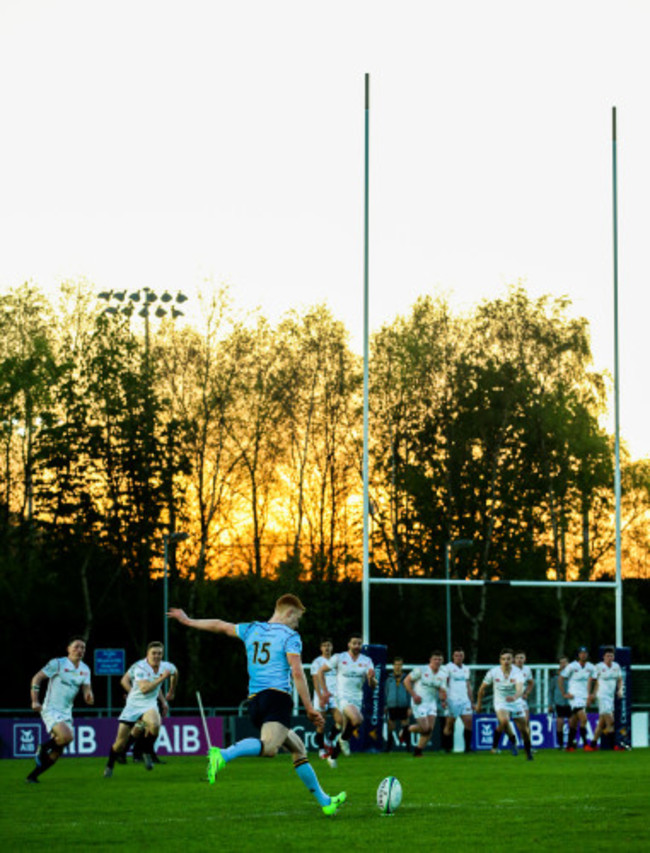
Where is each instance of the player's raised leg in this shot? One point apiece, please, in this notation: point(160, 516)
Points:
point(50, 751)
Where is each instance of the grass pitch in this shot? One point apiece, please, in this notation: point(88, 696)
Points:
point(559, 801)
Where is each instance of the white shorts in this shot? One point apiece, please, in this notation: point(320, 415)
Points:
point(458, 707)
point(425, 709)
point(605, 704)
point(131, 714)
point(51, 717)
point(515, 709)
point(578, 704)
point(344, 701)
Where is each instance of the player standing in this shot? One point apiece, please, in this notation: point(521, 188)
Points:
point(141, 709)
point(67, 676)
point(559, 703)
point(273, 651)
point(508, 687)
point(427, 685)
point(352, 669)
point(608, 685)
point(398, 705)
point(459, 700)
point(579, 674)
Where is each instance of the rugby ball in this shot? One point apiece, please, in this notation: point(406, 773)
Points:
point(389, 795)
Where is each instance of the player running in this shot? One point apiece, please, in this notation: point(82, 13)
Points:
point(608, 684)
point(459, 700)
point(507, 683)
point(67, 676)
point(352, 670)
point(427, 686)
point(529, 681)
point(141, 709)
point(273, 651)
point(575, 683)
point(323, 705)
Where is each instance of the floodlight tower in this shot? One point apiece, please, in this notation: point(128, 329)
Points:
point(450, 549)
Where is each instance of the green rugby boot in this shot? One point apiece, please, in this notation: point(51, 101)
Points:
point(335, 803)
point(216, 763)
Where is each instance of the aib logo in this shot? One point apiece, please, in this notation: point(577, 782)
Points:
point(26, 739)
point(485, 733)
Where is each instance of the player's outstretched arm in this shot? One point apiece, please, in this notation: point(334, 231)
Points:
point(218, 626)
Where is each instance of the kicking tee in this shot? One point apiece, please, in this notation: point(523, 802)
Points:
point(267, 646)
point(66, 680)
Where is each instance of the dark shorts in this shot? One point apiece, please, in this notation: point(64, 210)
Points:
point(563, 711)
point(270, 706)
point(397, 714)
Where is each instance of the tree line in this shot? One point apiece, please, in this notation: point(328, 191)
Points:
point(118, 429)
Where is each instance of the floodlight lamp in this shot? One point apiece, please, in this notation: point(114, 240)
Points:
point(160, 311)
point(176, 312)
point(150, 296)
point(105, 294)
point(110, 310)
point(127, 310)
point(143, 312)
point(166, 297)
point(135, 296)
point(180, 297)
point(178, 536)
point(119, 295)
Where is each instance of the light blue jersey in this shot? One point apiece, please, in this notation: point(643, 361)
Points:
point(267, 645)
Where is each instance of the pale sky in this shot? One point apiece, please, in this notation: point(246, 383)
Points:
point(160, 144)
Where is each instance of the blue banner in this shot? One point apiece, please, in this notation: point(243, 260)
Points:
point(623, 707)
point(371, 733)
point(542, 731)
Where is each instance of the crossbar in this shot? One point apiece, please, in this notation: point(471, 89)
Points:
point(460, 582)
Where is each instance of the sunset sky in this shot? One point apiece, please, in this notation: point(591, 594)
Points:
point(163, 144)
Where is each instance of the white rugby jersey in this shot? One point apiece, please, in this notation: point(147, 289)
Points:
point(503, 684)
point(66, 680)
point(576, 678)
point(143, 671)
point(608, 677)
point(429, 682)
point(350, 674)
point(330, 677)
point(457, 681)
point(527, 674)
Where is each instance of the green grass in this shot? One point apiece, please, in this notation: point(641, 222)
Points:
point(489, 802)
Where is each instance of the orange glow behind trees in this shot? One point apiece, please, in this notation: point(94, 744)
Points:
point(248, 437)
